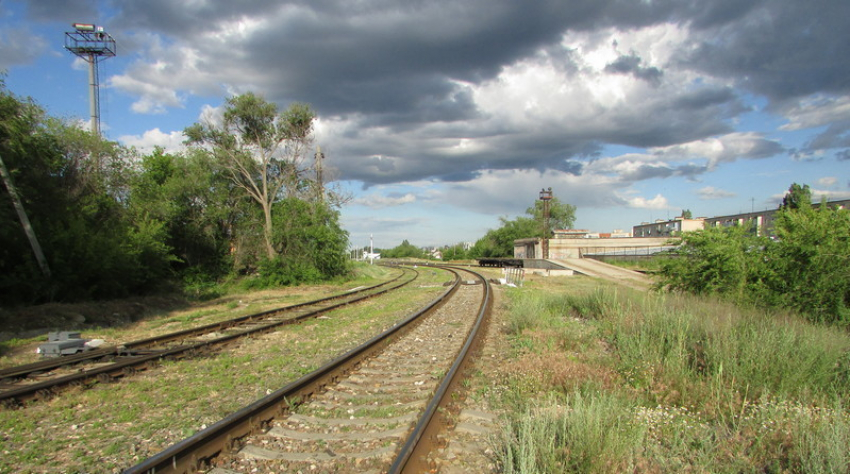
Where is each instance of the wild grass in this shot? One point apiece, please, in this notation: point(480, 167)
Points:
point(572, 433)
point(680, 383)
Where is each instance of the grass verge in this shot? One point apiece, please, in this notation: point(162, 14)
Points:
point(611, 380)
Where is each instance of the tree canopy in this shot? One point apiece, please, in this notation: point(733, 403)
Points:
point(404, 250)
point(263, 152)
point(113, 223)
point(500, 242)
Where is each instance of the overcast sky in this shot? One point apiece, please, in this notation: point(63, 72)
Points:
point(440, 116)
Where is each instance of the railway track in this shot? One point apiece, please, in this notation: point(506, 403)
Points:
point(377, 408)
point(43, 379)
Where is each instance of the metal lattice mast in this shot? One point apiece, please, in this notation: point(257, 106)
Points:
point(92, 44)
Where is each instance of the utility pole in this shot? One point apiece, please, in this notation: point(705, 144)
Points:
point(92, 44)
point(25, 221)
point(319, 178)
point(545, 196)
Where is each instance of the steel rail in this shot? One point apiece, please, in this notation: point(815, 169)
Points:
point(132, 363)
point(411, 457)
point(46, 365)
point(192, 453)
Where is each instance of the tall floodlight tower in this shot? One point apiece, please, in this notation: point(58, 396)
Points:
point(92, 44)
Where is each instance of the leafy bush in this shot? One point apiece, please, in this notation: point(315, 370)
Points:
point(283, 272)
point(804, 268)
point(812, 261)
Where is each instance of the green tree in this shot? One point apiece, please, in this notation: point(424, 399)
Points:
point(727, 260)
point(311, 236)
point(263, 152)
point(404, 250)
point(804, 268)
point(73, 186)
point(561, 215)
point(194, 202)
point(455, 252)
point(797, 197)
point(500, 242)
point(812, 257)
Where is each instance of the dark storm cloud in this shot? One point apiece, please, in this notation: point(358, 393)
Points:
point(780, 49)
point(631, 65)
point(69, 11)
point(397, 60)
point(836, 135)
point(182, 19)
point(764, 149)
point(19, 47)
point(408, 69)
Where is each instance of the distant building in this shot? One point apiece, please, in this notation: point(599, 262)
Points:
point(669, 228)
point(571, 234)
point(762, 222)
point(586, 234)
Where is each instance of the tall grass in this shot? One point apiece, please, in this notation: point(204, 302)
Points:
point(708, 387)
point(689, 340)
point(572, 433)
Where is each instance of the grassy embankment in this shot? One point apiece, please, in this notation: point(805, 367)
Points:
point(609, 380)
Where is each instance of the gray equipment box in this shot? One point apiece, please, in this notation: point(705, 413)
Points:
point(62, 343)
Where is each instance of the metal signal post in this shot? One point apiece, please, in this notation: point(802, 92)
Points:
point(92, 44)
point(545, 196)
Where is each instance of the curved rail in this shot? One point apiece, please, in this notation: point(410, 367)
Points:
point(138, 355)
point(200, 449)
point(411, 458)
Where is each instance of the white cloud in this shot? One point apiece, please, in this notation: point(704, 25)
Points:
point(167, 73)
point(171, 142)
point(658, 202)
point(828, 182)
point(723, 149)
point(153, 98)
point(820, 194)
point(376, 201)
point(816, 111)
point(710, 193)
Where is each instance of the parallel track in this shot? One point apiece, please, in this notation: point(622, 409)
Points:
point(390, 390)
point(107, 364)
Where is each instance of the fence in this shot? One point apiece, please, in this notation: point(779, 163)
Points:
point(514, 276)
